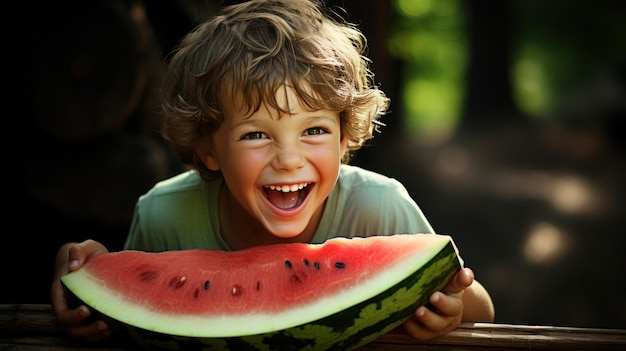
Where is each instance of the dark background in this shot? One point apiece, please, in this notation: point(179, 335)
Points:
point(536, 207)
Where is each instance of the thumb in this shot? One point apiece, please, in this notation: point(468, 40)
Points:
point(461, 281)
point(78, 254)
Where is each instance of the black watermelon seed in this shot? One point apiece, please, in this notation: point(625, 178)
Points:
point(207, 285)
point(237, 290)
point(178, 282)
point(317, 265)
point(306, 262)
point(298, 277)
point(340, 265)
point(147, 276)
point(288, 264)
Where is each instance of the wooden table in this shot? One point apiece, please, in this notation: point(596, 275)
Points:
point(32, 327)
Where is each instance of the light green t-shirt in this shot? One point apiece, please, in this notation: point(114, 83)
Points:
point(182, 212)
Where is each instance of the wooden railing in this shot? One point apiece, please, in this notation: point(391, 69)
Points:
point(32, 327)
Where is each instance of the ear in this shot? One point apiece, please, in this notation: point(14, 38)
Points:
point(204, 150)
point(343, 145)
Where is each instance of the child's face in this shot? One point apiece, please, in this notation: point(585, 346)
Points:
point(279, 168)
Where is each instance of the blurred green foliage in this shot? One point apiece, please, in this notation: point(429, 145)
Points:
point(556, 49)
point(429, 37)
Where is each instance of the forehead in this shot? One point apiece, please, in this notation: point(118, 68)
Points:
point(283, 100)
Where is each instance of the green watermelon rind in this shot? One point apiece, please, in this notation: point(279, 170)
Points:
point(348, 329)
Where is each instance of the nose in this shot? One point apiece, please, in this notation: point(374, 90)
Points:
point(288, 158)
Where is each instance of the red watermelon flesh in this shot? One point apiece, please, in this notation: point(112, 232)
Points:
point(268, 287)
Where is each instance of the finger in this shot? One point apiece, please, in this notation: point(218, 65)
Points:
point(461, 281)
point(417, 330)
point(79, 253)
point(92, 333)
point(57, 297)
point(432, 320)
point(71, 318)
point(74, 323)
point(447, 305)
point(76, 256)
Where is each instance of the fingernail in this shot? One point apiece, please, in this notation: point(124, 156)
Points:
point(84, 312)
point(74, 263)
point(420, 312)
point(435, 298)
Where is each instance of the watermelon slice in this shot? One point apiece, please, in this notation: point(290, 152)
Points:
point(338, 295)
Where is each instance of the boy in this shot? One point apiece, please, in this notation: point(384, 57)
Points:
point(265, 102)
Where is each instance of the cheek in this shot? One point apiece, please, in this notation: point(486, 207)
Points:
point(242, 167)
point(327, 161)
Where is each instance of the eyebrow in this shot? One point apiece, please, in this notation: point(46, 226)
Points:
point(324, 116)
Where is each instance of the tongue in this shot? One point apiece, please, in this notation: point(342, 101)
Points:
point(283, 200)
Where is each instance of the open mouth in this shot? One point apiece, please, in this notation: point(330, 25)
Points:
point(287, 196)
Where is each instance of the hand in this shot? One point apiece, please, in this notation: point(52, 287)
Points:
point(71, 257)
point(445, 312)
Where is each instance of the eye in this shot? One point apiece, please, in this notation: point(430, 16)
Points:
point(315, 131)
point(254, 135)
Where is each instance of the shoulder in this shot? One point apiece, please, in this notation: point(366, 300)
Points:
point(369, 203)
point(177, 194)
point(183, 182)
point(368, 192)
point(179, 212)
point(363, 180)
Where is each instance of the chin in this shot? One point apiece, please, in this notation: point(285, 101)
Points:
point(286, 237)
point(286, 234)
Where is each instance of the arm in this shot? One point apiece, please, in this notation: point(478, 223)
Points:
point(477, 304)
point(463, 299)
point(71, 257)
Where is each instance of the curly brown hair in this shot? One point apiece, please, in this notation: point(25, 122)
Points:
point(251, 50)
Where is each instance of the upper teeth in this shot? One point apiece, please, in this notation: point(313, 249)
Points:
point(287, 188)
